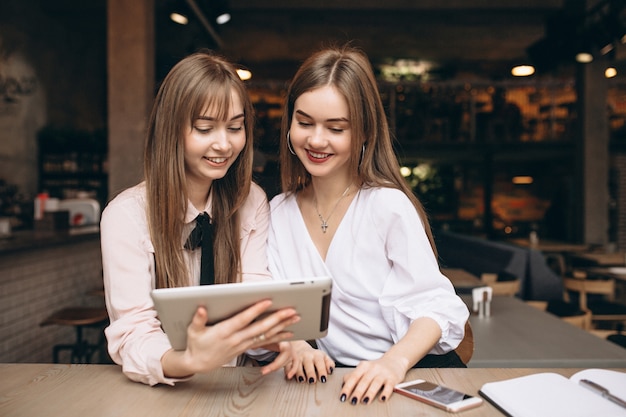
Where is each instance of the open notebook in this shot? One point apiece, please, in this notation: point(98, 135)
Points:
point(549, 394)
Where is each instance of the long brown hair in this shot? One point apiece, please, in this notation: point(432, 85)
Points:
point(349, 71)
point(200, 81)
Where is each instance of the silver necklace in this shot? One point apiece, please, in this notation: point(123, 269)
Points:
point(324, 224)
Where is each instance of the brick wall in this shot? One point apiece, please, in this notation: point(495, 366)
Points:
point(36, 282)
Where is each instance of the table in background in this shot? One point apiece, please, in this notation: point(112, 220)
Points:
point(552, 246)
point(602, 259)
point(462, 280)
point(28, 390)
point(519, 335)
point(618, 273)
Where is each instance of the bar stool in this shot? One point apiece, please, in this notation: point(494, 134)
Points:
point(79, 318)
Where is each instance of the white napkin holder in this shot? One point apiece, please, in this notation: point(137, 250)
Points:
point(481, 297)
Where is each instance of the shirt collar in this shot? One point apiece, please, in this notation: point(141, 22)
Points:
point(192, 211)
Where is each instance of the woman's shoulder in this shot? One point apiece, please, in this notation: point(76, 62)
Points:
point(386, 196)
point(126, 209)
point(279, 200)
point(133, 198)
point(257, 199)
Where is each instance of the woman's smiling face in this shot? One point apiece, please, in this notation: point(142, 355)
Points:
point(320, 131)
point(212, 145)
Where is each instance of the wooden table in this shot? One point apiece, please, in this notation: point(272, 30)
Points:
point(552, 246)
point(462, 280)
point(29, 390)
point(519, 335)
point(617, 272)
point(603, 259)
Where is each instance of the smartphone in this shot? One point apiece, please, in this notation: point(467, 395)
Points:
point(438, 395)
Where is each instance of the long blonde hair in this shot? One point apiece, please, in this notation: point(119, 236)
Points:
point(349, 71)
point(200, 81)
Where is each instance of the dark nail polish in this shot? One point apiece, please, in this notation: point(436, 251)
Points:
point(366, 400)
point(353, 401)
point(311, 380)
point(300, 379)
point(343, 398)
point(323, 379)
point(331, 370)
point(383, 398)
point(342, 384)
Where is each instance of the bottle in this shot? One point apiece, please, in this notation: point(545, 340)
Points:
point(40, 205)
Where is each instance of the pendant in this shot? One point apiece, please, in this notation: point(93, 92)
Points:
point(324, 226)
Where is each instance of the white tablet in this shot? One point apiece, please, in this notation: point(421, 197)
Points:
point(310, 297)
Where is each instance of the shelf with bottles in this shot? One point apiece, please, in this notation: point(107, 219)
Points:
point(462, 112)
point(72, 163)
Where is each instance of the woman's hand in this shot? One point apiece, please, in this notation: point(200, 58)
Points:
point(377, 378)
point(285, 356)
point(308, 364)
point(371, 379)
point(209, 347)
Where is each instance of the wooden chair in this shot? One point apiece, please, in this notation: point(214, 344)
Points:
point(572, 315)
point(564, 308)
point(465, 350)
point(508, 288)
point(79, 317)
point(603, 308)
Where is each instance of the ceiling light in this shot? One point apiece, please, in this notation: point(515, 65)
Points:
point(610, 72)
point(223, 18)
point(584, 57)
point(522, 179)
point(406, 70)
point(523, 70)
point(179, 18)
point(244, 74)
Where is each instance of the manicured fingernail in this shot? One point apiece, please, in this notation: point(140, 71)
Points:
point(331, 370)
point(366, 400)
point(311, 380)
point(300, 378)
point(323, 379)
point(383, 398)
point(342, 384)
point(353, 401)
point(343, 398)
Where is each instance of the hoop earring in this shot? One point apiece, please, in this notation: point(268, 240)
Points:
point(362, 154)
point(289, 143)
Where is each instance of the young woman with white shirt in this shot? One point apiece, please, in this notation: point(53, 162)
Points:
point(198, 159)
point(346, 212)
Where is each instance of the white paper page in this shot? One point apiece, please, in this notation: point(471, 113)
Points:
point(549, 395)
point(614, 381)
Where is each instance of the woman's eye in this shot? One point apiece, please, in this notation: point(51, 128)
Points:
point(202, 129)
point(336, 130)
point(305, 124)
point(235, 128)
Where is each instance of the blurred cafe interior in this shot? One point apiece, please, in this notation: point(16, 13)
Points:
point(522, 176)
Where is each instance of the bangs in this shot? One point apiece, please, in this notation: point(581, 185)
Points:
point(214, 98)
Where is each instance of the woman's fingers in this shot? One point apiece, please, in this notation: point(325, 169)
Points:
point(263, 331)
point(284, 356)
point(272, 329)
point(370, 379)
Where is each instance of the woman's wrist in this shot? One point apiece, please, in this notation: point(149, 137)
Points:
point(177, 364)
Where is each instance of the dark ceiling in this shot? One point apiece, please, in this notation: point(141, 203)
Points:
point(273, 36)
point(462, 38)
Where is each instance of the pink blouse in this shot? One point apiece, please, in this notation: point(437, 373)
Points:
point(135, 338)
